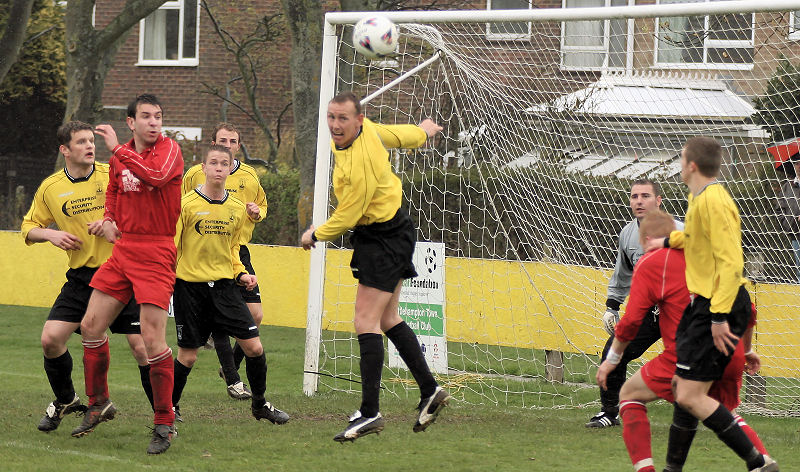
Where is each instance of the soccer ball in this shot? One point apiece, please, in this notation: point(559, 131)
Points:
point(375, 37)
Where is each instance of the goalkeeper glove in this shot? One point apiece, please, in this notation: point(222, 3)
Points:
point(610, 319)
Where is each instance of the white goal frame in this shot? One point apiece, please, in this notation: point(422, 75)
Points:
point(327, 86)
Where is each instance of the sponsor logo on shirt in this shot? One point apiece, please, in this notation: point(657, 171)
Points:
point(78, 206)
point(130, 183)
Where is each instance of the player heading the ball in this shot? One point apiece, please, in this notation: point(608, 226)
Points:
point(369, 195)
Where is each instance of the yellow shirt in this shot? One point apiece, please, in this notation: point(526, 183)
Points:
point(72, 203)
point(712, 243)
point(208, 237)
point(366, 189)
point(243, 183)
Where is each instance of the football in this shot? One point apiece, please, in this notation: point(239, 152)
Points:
point(375, 37)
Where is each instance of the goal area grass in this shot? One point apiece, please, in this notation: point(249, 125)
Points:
point(219, 433)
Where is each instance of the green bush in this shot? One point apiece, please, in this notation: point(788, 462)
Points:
point(280, 226)
point(544, 213)
point(778, 107)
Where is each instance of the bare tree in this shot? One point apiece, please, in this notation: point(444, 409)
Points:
point(304, 18)
point(248, 53)
point(91, 52)
point(14, 34)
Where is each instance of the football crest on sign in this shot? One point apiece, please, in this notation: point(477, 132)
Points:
point(430, 260)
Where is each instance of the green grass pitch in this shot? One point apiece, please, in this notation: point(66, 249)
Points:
point(219, 434)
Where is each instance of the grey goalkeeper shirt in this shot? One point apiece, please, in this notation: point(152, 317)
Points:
point(628, 254)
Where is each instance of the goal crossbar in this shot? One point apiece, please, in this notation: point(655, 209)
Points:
point(572, 14)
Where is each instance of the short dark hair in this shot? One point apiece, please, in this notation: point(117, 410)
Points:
point(655, 185)
point(706, 153)
point(227, 127)
point(217, 148)
point(345, 97)
point(656, 224)
point(65, 131)
point(148, 98)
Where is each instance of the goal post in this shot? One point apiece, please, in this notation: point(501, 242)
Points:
point(549, 116)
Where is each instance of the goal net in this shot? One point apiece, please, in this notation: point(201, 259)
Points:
point(549, 116)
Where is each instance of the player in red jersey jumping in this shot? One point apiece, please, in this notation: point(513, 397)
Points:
point(143, 200)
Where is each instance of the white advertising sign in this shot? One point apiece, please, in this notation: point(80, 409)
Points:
point(422, 307)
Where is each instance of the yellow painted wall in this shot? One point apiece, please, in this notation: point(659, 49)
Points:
point(527, 305)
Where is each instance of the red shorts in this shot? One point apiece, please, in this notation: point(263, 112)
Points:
point(657, 375)
point(139, 265)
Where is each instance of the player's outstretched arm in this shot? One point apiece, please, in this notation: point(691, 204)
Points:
point(430, 127)
point(306, 240)
point(653, 244)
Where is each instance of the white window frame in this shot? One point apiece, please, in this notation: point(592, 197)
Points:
point(794, 34)
point(491, 36)
point(189, 133)
point(600, 49)
point(181, 62)
point(707, 44)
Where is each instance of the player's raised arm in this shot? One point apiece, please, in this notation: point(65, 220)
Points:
point(407, 136)
point(430, 127)
point(157, 170)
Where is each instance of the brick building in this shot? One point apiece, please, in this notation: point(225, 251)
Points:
point(176, 54)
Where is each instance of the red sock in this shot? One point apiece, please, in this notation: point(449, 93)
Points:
point(636, 434)
point(162, 378)
point(95, 369)
point(751, 433)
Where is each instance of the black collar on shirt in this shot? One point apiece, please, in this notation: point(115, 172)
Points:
point(354, 140)
point(76, 180)
point(210, 200)
point(236, 164)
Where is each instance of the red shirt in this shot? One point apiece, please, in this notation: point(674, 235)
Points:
point(144, 190)
point(659, 278)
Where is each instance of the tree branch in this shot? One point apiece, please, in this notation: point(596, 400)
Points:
point(214, 91)
point(130, 15)
point(14, 34)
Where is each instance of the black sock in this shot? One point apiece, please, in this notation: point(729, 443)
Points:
point(59, 374)
point(238, 355)
point(407, 344)
point(257, 376)
point(681, 435)
point(144, 374)
point(222, 345)
point(723, 423)
point(371, 347)
point(181, 375)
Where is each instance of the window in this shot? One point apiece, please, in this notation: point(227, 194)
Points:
point(596, 44)
point(514, 31)
point(188, 133)
point(169, 35)
point(707, 42)
point(794, 25)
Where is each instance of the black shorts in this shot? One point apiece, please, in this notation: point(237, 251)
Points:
point(70, 306)
point(205, 307)
point(382, 252)
point(698, 358)
point(250, 296)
